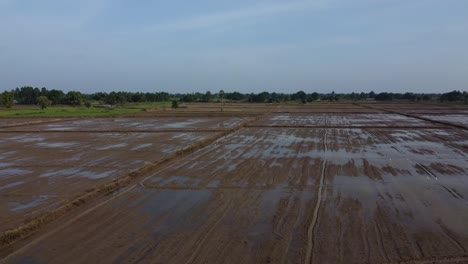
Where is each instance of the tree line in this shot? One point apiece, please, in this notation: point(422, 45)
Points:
point(28, 95)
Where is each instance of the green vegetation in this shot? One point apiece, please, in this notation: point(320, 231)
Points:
point(7, 99)
point(67, 112)
point(29, 96)
point(175, 104)
point(147, 105)
point(43, 102)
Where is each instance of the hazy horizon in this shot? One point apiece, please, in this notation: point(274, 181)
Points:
point(246, 46)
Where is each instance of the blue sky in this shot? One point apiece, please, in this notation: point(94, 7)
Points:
point(246, 46)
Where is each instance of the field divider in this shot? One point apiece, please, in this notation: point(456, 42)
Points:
point(8, 237)
point(418, 117)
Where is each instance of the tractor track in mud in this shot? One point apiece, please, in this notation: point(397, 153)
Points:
point(201, 243)
point(311, 229)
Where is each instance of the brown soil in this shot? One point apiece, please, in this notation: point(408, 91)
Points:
point(275, 191)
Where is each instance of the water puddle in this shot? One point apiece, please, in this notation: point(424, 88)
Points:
point(5, 164)
point(78, 173)
point(58, 144)
point(173, 206)
point(183, 124)
point(214, 184)
point(12, 172)
point(26, 139)
point(180, 181)
point(11, 185)
point(19, 207)
point(142, 146)
point(114, 146)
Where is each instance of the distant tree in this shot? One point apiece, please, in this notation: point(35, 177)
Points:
point(115, 98)
point(372, 94)
point(88, 104)
point(221, 95)
point(43, 102)
point(188, 98)
point(74, 98)
point(44, 91)
point(363, 95)
point(56, 96)
point(301, 96)
point(259, 98)
point(426, 97)
point(384, 97)
point(207, 96)
point(8, 99)
point(175, 104)
point(313, 97)
point(275, 98)
point(235, 96)
point(452, 96)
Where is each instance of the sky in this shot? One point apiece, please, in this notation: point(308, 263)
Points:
point(243, 45)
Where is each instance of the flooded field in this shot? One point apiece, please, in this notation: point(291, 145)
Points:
point(40, 171)
point(295, 185)
point(458, 119)
point(344, 120)
point(129, 124)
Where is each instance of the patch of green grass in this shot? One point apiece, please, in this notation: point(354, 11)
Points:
point(146, 106)
point(61, 111)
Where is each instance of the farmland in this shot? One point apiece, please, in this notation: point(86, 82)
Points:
point(238, 183)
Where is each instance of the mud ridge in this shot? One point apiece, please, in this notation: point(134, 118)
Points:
point(310, 231)
point(417, 117)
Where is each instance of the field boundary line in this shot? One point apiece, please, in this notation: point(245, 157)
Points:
point(417, 117)
point(311, 229)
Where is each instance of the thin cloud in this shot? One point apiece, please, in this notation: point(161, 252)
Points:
point(237, 16)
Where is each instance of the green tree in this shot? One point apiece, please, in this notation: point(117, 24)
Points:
point(7, 99)
point(221, 95)
point(207, 96)
point(43, 101)
point(302, 96)
point(74, 98)
point(175, 104)
point(56, 96)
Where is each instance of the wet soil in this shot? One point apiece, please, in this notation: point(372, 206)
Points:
point(364, 193)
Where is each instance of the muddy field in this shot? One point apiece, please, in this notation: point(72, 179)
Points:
point(46, 162)
point(286, 187)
